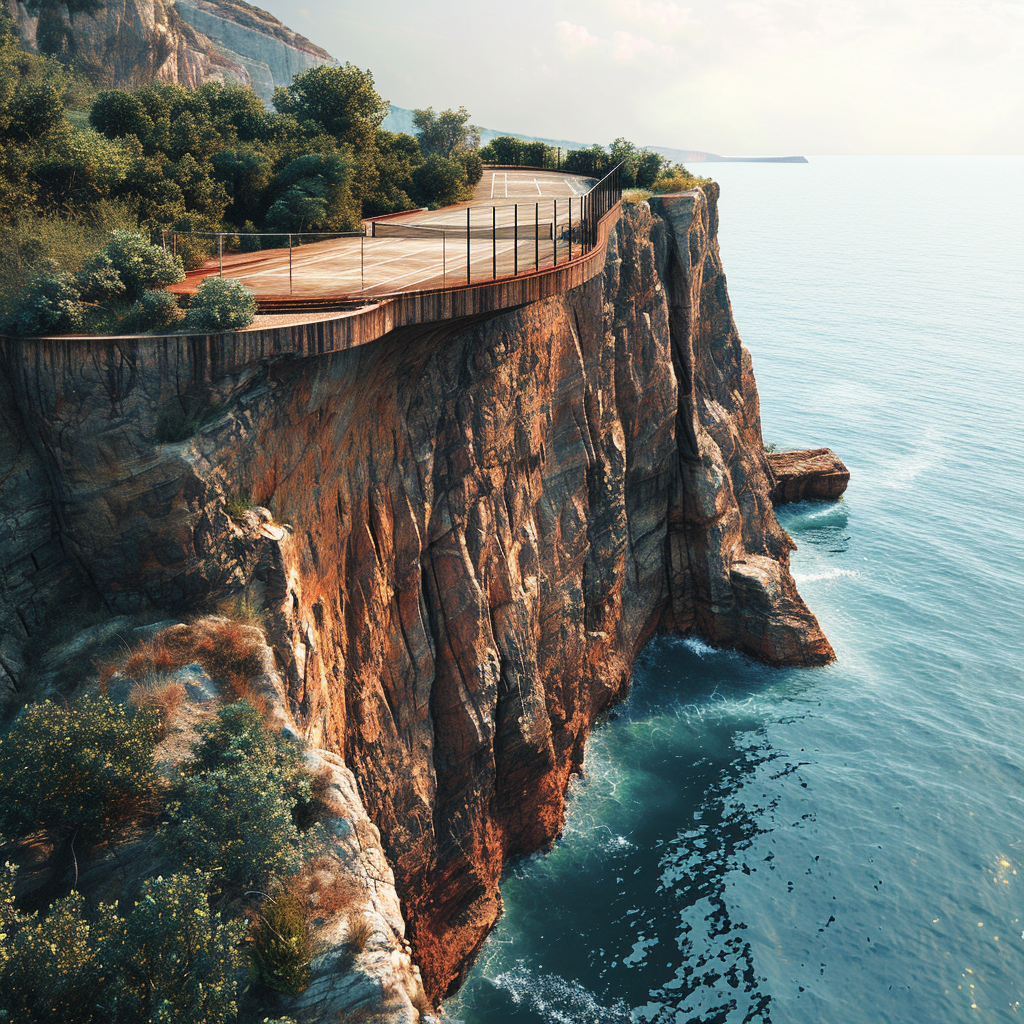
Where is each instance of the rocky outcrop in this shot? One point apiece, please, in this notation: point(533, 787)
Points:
point(810, 473)
point(132, 42)
point(271, 54)
point(488, 519)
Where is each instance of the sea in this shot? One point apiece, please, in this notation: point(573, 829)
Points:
point(842, 845)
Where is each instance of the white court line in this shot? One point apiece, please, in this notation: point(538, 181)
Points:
point(538, 187)
point(336, 255)
point(506, 184)
point(494, 175)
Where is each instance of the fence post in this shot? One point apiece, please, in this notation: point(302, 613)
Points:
point(467, 244)
point(362, 262)
point(220, 252)
point(494, 243)
point(554, 231)
point(515, 240)
point(444, 259)
point(174, 243)
point(536, 236)
point(289, 264)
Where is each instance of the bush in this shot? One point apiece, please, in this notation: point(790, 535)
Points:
point(50, 305)
point(178, 962)
point(280, 947)
point(170, 961)
point(155, 311)
point(51, 969)
point(129, 258)
point(678, 179)
point(234, 806)
point(78, 768)
point(221, 304)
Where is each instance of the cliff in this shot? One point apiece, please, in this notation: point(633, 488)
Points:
point(132, 42)
point(488, 519)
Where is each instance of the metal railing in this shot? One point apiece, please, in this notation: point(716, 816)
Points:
point(454, 248)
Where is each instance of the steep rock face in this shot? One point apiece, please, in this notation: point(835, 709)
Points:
point(489, 520)
point(36, 574)
point(187, 43)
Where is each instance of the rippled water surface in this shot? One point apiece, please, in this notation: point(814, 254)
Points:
point(842, 845)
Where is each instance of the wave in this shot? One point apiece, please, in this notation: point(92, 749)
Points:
point(558, 1001)
point(828, 574)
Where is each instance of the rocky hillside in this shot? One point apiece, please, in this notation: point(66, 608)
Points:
point(187, 42)
point(488, 521)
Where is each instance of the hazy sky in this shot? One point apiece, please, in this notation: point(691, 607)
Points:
point(739, 77)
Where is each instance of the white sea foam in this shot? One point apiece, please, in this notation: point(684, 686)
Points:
point(828, 574)
point(558, 1001)
point(701, 649)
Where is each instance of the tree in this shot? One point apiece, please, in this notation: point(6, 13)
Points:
point(245, 172)
point(445, 134)
point(441, 182)
point(313, 193)
point(118, 113)
point(340, 99)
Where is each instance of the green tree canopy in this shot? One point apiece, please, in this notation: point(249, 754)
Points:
point(445, 134)
point(340, 99)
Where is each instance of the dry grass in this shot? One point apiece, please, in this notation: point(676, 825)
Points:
point(232, 652)
point(357, 937)
point(165, 697)
point(338, 895)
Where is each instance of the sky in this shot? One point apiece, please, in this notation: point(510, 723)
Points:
point(738, 78)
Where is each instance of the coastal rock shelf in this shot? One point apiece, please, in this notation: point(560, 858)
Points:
point(488, 517)
point(810, 473)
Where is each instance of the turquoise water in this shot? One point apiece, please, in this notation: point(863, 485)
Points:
point(843, 845)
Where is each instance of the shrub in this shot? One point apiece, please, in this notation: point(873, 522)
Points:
point(178, 962)
point(170, 961)
point(678, 179)
point(232, 810)
point(51, 969)
point(78, 768)
point(221, 304)
point(155, 311)
point(280, 947)
point(50, 305)
point(135, 263)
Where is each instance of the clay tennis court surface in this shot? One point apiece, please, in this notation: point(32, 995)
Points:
point(518, 222)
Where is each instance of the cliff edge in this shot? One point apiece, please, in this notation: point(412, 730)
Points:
point(488, 519)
